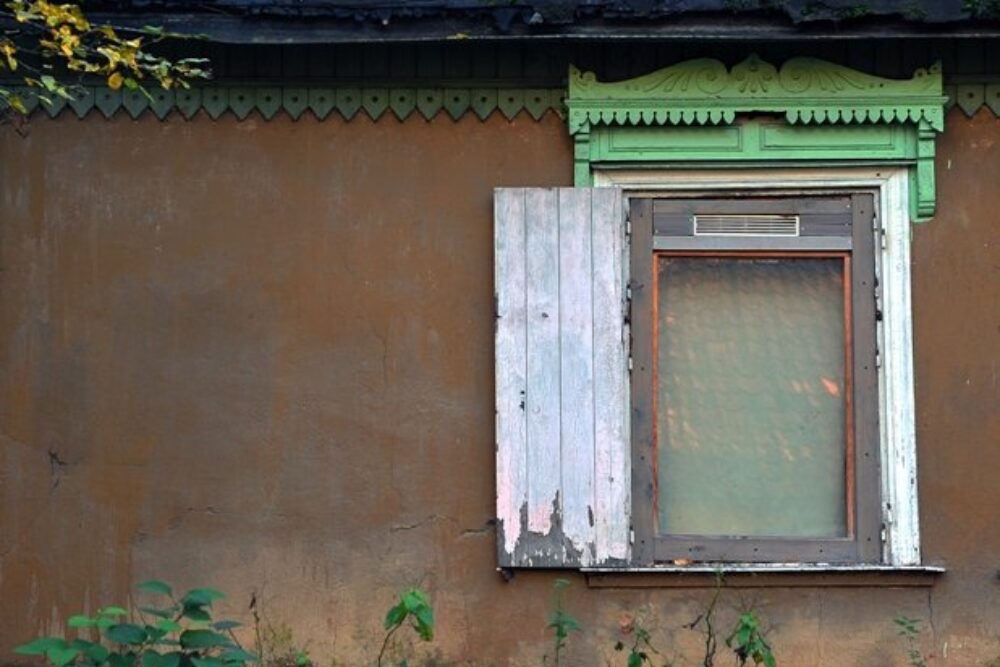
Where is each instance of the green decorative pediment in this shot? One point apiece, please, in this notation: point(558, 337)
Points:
point(804, 90)
point(816, 112)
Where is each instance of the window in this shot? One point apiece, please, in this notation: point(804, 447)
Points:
point(756, 320)
point(754, 384)
point(621, 313)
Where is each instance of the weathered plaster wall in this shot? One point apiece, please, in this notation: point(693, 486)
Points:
point(259, 356)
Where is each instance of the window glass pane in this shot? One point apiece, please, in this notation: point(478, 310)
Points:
point(750, 399)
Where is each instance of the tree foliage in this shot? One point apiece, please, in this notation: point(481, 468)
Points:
point(52, 47)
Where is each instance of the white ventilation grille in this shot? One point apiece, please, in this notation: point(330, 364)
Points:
point(746, 225)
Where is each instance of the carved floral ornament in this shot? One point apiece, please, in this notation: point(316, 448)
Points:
point(882, 120)
point(805, 90)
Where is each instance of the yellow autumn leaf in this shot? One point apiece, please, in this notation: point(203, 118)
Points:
point(115, 81)
point(15, 102)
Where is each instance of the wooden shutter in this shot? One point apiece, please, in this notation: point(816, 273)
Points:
point(563, 464)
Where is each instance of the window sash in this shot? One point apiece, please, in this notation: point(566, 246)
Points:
point(846, 437)
point(863, 543)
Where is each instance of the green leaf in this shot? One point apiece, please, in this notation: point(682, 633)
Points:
point(202, 596)
point(168, 625)
point(207, 662)
point(150, 659)
point(413, 599)
point(159, 613)
point(97, 653)
point(204, 639)
point(113, 611)
point(172, 659)
point(155, 586)
point(769, 660)
point(395, 616)
point(196, 613)
point(40, 646)
point(60, 657)
point(81, 621)
point(226, 625)
point(119, 660)
point(634, 660)
point(425, 623)
point(239, 655)
point(126, 633)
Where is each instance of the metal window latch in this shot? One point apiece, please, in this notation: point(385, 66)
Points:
point(628, 228)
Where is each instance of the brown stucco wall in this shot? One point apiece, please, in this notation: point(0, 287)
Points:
point(258, 355)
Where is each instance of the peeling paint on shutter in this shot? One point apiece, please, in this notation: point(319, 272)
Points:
point(563, 464)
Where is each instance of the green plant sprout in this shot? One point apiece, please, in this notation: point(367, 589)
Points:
point(748, 642)
point(183, 634)
point(641, 651)
point(412, 605)
point(909, 630)
point(560, 621)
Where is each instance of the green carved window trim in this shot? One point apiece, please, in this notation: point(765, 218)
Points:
point(809, 113)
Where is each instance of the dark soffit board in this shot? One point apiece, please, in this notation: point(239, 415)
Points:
point(314, 21)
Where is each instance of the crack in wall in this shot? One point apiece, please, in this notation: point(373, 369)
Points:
point(56, 466)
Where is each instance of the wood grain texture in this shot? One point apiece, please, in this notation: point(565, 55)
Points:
point(561, 371)
point(543, 316)
point(576, 358)
point(898, 420)
point(511, 366)
point(612, 463)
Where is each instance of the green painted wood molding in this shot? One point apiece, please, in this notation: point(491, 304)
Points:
point(825, 114)
point(268, 101)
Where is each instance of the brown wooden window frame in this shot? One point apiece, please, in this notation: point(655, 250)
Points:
point(658, 228)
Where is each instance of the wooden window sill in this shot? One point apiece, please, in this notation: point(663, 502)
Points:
point(756, 575)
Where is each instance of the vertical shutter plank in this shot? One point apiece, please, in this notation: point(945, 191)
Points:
point(576, 348)
point(613, 478)
point(542, 400)
point(563, 476)
point(511, 369)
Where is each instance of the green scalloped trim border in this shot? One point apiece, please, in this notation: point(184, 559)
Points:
point(294, 101)
point(704, 94)
point(805, 90)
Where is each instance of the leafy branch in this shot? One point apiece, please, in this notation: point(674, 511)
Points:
point(182, 633)
point(50, 39)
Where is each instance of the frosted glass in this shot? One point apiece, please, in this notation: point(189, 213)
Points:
point(750, 400)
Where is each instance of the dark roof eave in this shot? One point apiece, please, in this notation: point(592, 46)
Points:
point(265, 30)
